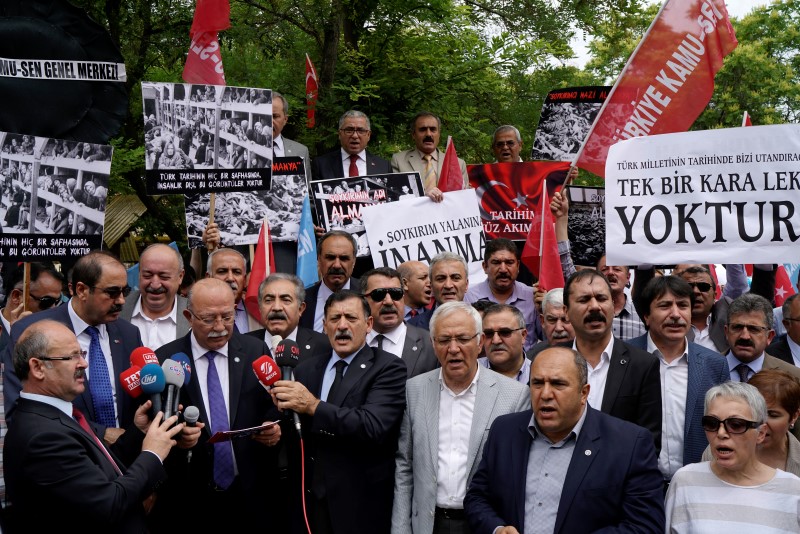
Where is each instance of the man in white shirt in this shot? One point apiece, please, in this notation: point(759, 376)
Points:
point(352, 158)
point(281, 146)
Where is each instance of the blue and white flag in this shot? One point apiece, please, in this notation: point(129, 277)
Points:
point(307, 247)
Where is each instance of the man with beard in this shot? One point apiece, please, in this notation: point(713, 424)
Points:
point(384, 292)
point(687, 370)
point(336, 258)
point(99, 287)
point(155, 308)
point(503, 337)
point(624, 380)
point(416, 286)
point(556, 325)
point(229, 265)
point(501, 265)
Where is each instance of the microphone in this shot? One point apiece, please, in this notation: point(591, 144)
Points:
point(152, 382)
point(287, 356)
point(142, 356)
point(131, 381)
point(266, 371)
point(184, 360)
point(173, 375)
point(190, 416)
point(276, 339)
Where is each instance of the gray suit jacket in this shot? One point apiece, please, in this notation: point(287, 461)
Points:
point(410, 161)
point(418, 449)
point(293, 149)
point(183, 325)
point(418, 352)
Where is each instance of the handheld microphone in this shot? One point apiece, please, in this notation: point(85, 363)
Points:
point(287, 355)
point(152, 382)
point(190, 416)
point(276, 339)
point(184, 360)
point(173, 375)
point(142, 356)
point(131, 381)
point(266, 371)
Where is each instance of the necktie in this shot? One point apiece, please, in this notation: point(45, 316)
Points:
point(413, 312)
point(429, 179)
point(353, 167)
point(223, 454)
point(340, 365)
point(379, 338)
point(744, 371)
point(99, 382)
point(81, 419)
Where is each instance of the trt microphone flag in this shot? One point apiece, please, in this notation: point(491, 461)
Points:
point(204, 61)
point(668, 80)
point(451, 178)
point(311, 92)
point(307, 247)
point(540, 253)
point(263, 265)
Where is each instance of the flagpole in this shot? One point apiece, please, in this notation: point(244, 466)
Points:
point(543, 194)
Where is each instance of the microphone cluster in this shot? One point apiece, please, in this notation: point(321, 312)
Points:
point(161, 382)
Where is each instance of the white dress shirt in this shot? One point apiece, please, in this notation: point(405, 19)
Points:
point(598, 375)
point(322, 295)
point(156, 332)
point(278, 147)
point(361, 163)
point(394, 341)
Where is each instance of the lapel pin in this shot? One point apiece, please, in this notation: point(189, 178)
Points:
point(236, 359)
point(587, 452)
point(308, 347)
point(116, 341)
point(363, 366)
point(623, 361)
point(414, 348)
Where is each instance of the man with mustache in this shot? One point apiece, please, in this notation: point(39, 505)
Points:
point(336, 258)
point(384, 291)
point(501, 265)
point(687, 371)
point(352, 158)
point(230, 266)
point(99, 287)
point(555, 323)
point(504, 335)
point(155, 308)
point(507, 144)
point(350, 403)
point(426, 158)
point(449, 282)
point(624, 380)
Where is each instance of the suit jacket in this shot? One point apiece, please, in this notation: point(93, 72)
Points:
point(351, 441)
point(418, 450)
point(329, 165)
point(182, 327)
point(780, 349)
point(612, 483)
point(307, 318)
point(423, 319)
point(50, 459)
point(248, 406)
point(123, 337)
point(410, 161)
point(706, 370)
point(293, 149)
point(309, 341)
point(418, 352)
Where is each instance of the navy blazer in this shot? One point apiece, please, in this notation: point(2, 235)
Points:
point(780, 349)
point(329, 165)
point(309, 341)
point(612, 481)
point(706, 369)
point(123, 337)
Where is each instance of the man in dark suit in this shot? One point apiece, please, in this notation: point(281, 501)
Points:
point(336, 258)
point(787, 346)
point(608, 467)
point(46, 285)
point(352, 158)
point(351, 405)
point(52, 458)
point(625, 380)
point(383, 289)
point(281, 300)
point(99, 285)
point(228, 481)
point(687, 370)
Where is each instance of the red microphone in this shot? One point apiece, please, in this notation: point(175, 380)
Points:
point(266, 371)
point(142, 356)
point(131, 381)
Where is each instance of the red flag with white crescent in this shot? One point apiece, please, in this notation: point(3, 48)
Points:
point(311, 92)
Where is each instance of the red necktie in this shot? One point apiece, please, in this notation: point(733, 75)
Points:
point(353, 167)
point(81, 419)
point(413, 312)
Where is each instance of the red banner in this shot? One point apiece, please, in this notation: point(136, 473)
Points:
point(668, 80)
point(509, 194)
point(540, 253)
point(311, 92)
point(204, 61)
point(451, 178)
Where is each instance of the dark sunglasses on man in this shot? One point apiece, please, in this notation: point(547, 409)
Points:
point(378, 294)
point(46, 301)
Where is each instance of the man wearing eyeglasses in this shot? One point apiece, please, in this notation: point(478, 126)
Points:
point(507, 144)
point(99, 285)
point(352, 158)
point(787, 346)
point(504, 335)
point(45, 292)
point(447, 413)
point(383, 289)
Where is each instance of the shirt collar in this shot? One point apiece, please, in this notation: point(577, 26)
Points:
point(61, 404)
point(172, 315)
point(535, 431)
point(200, 351)
point(346, 157)
point(472, 386)
point(79, 325)
point(335, 358)
point(653, 349)
point(395, 335)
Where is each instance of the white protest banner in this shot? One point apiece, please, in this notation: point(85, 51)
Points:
point(419, 229)
point(716, 196)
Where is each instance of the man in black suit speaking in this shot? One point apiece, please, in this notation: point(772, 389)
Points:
point(352, 158)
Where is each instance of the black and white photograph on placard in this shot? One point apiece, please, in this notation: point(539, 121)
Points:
point(206, 138)
point(54, 190)
point(587, 224)
point(239, 214)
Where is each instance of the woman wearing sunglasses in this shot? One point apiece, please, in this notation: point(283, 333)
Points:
point(735, 491)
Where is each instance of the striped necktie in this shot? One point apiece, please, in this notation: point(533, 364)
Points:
point(429, 180)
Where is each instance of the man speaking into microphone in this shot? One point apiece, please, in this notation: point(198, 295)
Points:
point(350, 403)
point(227, 482)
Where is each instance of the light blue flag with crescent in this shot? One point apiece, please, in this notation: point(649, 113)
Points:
point(307, 247)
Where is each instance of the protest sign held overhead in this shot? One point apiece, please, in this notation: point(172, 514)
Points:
point(715, 196)
point(587, 224)
point(206, 138)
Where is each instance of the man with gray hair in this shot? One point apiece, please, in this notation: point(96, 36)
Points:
point(507, 144)
point(352, 158)
point(449, 281)
point(555, 323)
point(281, 146)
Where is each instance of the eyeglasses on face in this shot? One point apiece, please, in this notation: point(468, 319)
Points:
point(753, 329)
point(114, 291)
point(703, 287)
point(209, 320)
point(379, 293)
point(502, 144)
point(461, 341)
point(504, 333)
point(357, 131)
point(46, 301)
point(733, 425)
point(65, 358)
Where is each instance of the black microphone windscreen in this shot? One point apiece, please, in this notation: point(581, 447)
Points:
point(287, 354)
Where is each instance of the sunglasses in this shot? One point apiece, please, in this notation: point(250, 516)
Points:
point(46, 301)
point(504, 333)
point(733, 425)
point(702, 286)
point(114, 292)
point(380, 293)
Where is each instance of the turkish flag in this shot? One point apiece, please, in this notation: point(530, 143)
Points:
point(263, 265)
point(311, 92)
point(451, 178)
point(783, 286)
point(540, 253)
point(746, 119)
point(204, 61)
